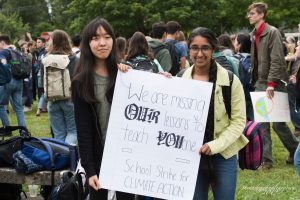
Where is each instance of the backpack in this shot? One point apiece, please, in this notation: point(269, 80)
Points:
point(143, 64)
point(250, 157)
point(224, 62)
point(5, 74)
point(50, 153)
point(71, 187)
point(10, 146)
point(175, 57)
point(57, 79)
point(245, 71)
point(20, 64)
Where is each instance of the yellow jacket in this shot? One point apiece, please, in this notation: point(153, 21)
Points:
point(228, 134)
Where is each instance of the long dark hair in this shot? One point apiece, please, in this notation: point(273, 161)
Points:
point(138, 45)
point(85, 69)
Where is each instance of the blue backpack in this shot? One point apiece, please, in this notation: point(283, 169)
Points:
point(245, 71)
point(50, 153)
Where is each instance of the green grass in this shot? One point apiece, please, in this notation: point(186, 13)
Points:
point(279, 183)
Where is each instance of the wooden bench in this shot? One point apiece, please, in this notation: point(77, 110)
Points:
point(9, 175)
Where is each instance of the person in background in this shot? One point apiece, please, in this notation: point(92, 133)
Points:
point(41, 52)
point(158, 47)
point(138, 50)
point(226, 45)
point(11, 91)
point(76, 39)
point(223, 136)
point(173, 29)
point(27, 82)
point(61, 112)
point(92, 91)
point(181, 39)
point(242, 45)
point(269, 75)
point(121, 48)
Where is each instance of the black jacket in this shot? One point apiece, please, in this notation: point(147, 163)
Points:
point(88, 133)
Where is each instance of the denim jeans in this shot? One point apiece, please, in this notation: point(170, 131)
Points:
point(41, 102)
point(220, 174)
point(12, 92)
point(295, 116)
point(62, 119)
point(297, 160)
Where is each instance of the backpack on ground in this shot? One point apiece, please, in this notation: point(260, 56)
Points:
point(57, 79)
point(143, 64)
point(175, 57)
point(245, 71)
point(71, 187)
point(250, 157)
point(20, 64)
point(5, 74)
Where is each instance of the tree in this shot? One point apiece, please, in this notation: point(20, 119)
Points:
point(31, 11)
point(13, 26)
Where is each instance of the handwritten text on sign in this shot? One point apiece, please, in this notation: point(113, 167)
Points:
point(155, 130)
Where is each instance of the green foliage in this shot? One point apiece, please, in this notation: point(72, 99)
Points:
point(31, 11)
point(128, 16)
point(13, 26)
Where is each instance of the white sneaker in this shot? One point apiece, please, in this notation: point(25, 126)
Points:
point(27, 109)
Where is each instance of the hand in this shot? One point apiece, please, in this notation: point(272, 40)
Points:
point(94, 182)
point(205, 149)
point(166, 74)
point(270, 92)
point(123, 68)
point(292, 79)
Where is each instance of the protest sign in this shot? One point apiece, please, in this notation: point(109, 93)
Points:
point(270, 110)
point(155, 131)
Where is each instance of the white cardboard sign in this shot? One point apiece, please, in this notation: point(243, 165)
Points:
point(270, 110)
point(155, 131)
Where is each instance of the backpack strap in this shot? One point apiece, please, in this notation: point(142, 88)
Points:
point(226, 92)
point(180, 74)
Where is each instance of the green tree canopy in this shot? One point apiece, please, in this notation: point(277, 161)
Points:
point(13, 26)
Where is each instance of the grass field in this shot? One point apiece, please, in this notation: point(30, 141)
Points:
point(279, 183)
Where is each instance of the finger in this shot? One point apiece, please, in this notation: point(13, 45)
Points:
point(93, 185)
point(97, 183)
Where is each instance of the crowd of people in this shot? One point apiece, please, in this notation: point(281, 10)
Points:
point(270, 63)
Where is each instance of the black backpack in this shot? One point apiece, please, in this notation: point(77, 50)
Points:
point(71, 187)
point(20, 64)
point(174, 56)
point(143, 64)
point(224, 62)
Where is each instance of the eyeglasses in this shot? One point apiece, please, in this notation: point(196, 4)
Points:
point(203, 49)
